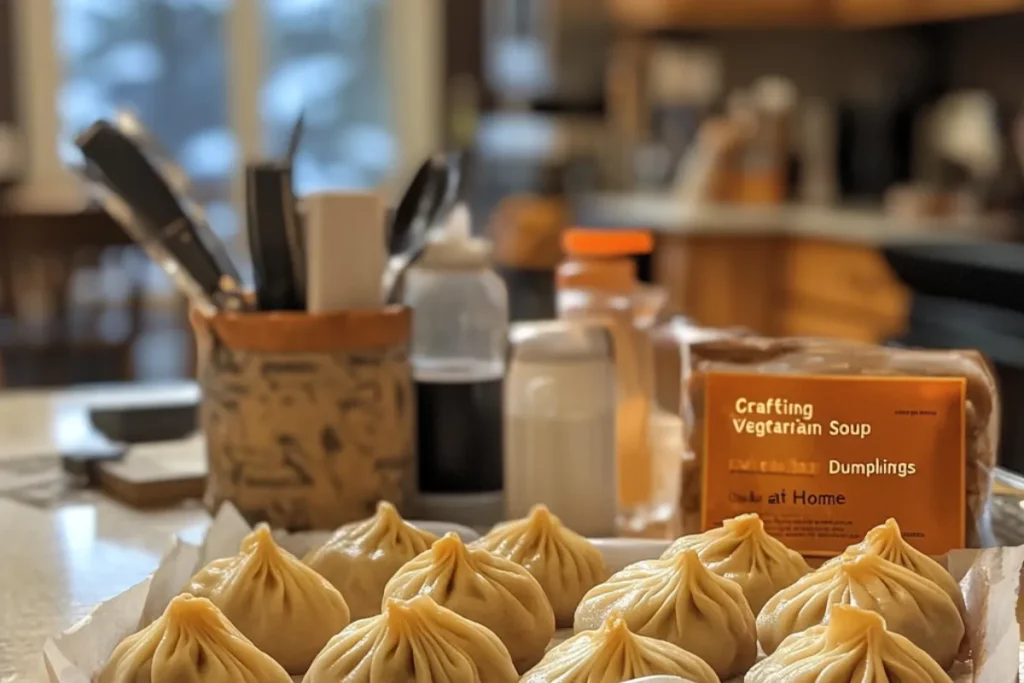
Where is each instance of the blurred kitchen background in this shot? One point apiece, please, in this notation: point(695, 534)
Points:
point(842, 168)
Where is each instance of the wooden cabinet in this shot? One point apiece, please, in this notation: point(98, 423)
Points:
point(651, 15)
point(867, 13)
point(844, 281)
point(661, 14)
point(779, 285)
point(723, 281)
point(815, 319)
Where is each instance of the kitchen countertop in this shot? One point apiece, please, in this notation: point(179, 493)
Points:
point(59, 562)
point(66, 550)
point(63, 555)
point(669, 216)
point(36, 423)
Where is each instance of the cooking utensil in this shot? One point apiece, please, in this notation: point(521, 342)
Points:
point(136, 194)
point(270, 220)
point(433, 190)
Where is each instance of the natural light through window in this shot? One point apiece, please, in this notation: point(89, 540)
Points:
point(168, 61)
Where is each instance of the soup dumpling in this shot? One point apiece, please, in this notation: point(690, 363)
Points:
point(911, 605)
point(743, 551)
point(566, 564)
point(285, 608)
point(886, 540)
point(482, 587)
point(192, 642)
point(415, 641)
point(361, 557)
point(614, 653)
point(676, 599)
point(853, 647)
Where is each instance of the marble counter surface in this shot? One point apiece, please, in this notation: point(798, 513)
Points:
point(58, 563)
point(669, 216)
point(63, 550)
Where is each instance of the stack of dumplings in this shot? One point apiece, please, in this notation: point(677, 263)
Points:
point(854, 647)
point(741, 550)
point(614, 653)
point(285, 608)
point(911, 605)
point(482, 587)
point(678, 600)
point(566, 564)
point(360, 558)
point(416, 641)
point(192, 642)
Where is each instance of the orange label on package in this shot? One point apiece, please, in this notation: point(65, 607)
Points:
point(824, 459)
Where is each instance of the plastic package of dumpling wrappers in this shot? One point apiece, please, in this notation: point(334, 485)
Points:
point(989, 579)
point(832, 358)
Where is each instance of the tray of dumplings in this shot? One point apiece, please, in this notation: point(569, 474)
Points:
point(384, 600)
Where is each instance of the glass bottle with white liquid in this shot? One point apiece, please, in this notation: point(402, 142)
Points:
point(560, 425)
point(459, 339)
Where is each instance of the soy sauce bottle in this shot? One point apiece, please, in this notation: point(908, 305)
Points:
point(459, 339)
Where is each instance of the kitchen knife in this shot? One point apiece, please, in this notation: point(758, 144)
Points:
point(129, 124)
point(184, 246)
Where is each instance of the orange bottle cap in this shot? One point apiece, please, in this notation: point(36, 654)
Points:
point(600, 242)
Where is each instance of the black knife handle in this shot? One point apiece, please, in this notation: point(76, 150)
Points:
point(126, 171)
point(269, 205)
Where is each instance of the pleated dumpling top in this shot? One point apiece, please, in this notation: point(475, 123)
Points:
point(853, 647)
point(485, 588)
point(743, 551)
point(192, 642)
point(415, 641)
point(911, 605)
point(614, 653)
point(360, 558)
point(566, 564)
point(285, 608)
point(678, 600)
point(886, 540)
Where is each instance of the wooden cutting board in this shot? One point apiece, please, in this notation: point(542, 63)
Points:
point(157, 475)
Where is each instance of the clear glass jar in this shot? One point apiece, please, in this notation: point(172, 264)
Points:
point(597, 282)
point(634, 370)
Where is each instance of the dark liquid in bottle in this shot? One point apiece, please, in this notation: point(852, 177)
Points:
point(460, 438)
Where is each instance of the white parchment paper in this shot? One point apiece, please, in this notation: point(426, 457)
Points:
point(989, 578)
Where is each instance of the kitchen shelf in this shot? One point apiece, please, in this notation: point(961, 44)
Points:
point(651, 15)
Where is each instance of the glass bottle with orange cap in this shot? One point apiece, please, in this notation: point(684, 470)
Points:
point(598, 280)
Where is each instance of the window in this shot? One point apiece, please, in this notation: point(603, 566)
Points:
point(165, 61)
point(218, 81)
point(321, 59)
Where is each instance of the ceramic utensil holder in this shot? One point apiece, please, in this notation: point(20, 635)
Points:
point(308, 418)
